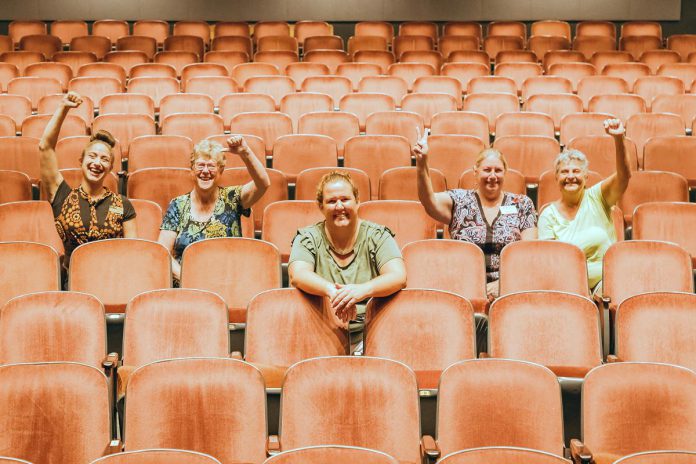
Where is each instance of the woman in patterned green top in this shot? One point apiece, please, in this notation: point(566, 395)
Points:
point(209, 210)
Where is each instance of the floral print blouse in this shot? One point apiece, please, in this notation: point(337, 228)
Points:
point(224, 222)
point(516, 214)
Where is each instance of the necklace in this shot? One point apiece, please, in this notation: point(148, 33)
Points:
point(346, 251)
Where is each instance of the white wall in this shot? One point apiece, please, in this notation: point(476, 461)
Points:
point(342, 10)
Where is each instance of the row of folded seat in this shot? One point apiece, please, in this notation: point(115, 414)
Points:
point(217, 406)
point(628, 264)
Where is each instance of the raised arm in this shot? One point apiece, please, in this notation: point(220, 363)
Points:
point(437, 205)
point(615, 185)
point(253, 190)
point(50, 176)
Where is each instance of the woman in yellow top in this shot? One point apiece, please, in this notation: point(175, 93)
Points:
point(582, 216)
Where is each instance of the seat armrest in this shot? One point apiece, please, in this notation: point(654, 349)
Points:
point(237, 355)
point(579, 453)
point(110, 362)
point(429, 448)
point(273, 445)
point(115, 446)
point(612, 358)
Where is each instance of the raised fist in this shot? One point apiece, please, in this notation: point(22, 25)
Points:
point(614, 127)
point(238, 145)
point(72, 100)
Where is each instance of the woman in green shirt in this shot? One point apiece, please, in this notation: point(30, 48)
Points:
point(343, 257)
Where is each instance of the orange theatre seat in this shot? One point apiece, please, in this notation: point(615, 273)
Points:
point(568, 341)
point(224, 257)
point(281, 220)
point(276, 321)
point(227, 395)
point(522, 398)
point(407, 219)
point(21, 258)
point(442, 322)
point(315, 412)
point(618, 404)
point(149, 264)
point(157, 456)
point(160, 185)
point(295, 153)
point(39, 400)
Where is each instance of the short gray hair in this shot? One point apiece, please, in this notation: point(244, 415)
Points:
point(569, 155)
point(209, 149)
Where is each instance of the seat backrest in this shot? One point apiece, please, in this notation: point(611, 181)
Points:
point(682, 105)
point(574, 71)
point(34, 88)
point(95, 87)
point(157, 457)
point(19, 259)
point(395, 329)
point(400, 183)
point(214, 265)
point(29, 221)
point(148, 218)
point(629, 269)
point(295, 153)
point(555, 105)
point(155, 28)
point(529, 154)
point(278, 322)
point(178, 59)
point(338, 125)
point(125, 127)
point(160, 185)
point(646, 186)
point(621, 106)
point(537, 265)
point(282, 219)
point(501, 455)
point(34, 400)
point(226, 397)
point(268, 126)
point(394, 86)
point(323, 398)
point(195, 126)
point(16, 186)
point(406, 219)
point(174, 323)
point(576, 125)
point(619, 402)
point(569, 342)
point(334, 86)
point(666, 221)
point(657, 327)
point(149, 264)
point(453, 154)
point(461, 123)
point(524, 123)
point(98, 45)
point(428, 104)
point(232, 104)
point(296, 105)
point(196, 28)
point(34, 126)
point(517, 404)
point(404, 123)
point(362, 104)
point(590, 86)
point(491, 105)
point(70, 326)
point(642, 126)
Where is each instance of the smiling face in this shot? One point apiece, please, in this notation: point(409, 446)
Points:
point(96, 162)
point(571, 176)
point(490, 174)
point(339, 205)
point(206, 172)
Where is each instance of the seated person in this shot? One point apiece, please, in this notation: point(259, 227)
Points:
point(343, 257)
point(485, 215)
point(583, 216)
point(89, 211)
point(209, 210)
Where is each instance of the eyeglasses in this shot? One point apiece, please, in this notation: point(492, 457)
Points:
point(200, 167)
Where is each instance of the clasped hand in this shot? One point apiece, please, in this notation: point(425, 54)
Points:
point(344, 298)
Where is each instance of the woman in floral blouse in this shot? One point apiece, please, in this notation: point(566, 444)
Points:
point(486, 215)
point(210, 210)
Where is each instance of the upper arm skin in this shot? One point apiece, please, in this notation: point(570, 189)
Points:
point(130, 229)
point(167, 238)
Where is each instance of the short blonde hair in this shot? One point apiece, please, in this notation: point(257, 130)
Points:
point(568, 155)
point(332, 177)
point(208, 149)
point(490, 153)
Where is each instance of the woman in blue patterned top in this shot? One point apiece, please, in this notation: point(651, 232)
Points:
point(209, 210)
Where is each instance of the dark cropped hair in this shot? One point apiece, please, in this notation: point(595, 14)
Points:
point(103, 137)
